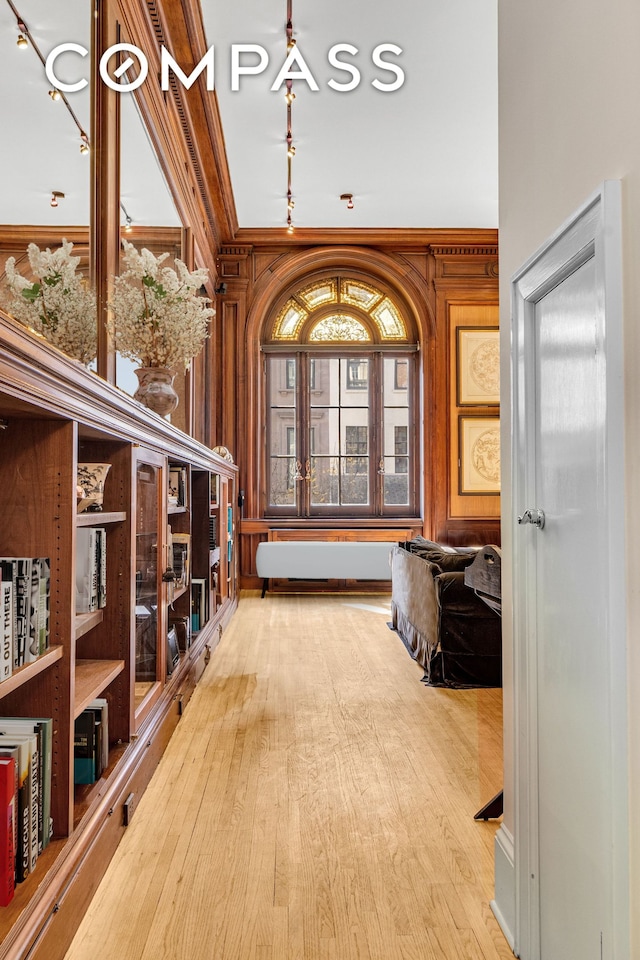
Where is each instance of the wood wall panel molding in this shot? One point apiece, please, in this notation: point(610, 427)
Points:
point(184, 125)
point(409, 239)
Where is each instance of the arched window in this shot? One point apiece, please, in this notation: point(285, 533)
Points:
point(341, 404)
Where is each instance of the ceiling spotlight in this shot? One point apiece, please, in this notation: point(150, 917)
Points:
point(349, 198)
point(127, 224)
point(290, 96)
point(289, 227)
point(84, 145)
point(55, 196)
point(291, 150)
point(22, 41)
point(54, 94)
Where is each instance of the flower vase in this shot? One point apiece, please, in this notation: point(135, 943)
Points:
point(155, 389)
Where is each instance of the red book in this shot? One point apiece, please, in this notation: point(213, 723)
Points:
point(7, 821)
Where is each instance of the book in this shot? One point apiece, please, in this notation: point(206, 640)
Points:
point(43, 728)
point(20, 727)
point(100, 706)
point(7, 833)
point(44, 595)
point(101, 561)
point(6, 598)
point(14, 753)
point(23, 848)
point(22, 589)
point(32, 645)
point(198, 604)
point(84, 748)
point(87, 596)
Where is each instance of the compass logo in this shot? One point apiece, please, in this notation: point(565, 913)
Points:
point(247, 59)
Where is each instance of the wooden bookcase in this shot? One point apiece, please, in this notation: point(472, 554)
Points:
point(55, 413)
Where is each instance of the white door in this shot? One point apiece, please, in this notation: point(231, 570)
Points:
point(568, 687)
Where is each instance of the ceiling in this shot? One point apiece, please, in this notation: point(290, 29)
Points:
point(424, 155)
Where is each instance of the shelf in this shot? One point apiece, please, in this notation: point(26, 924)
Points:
point(30, 670)
point(92, 676)
point(100, 519)
point(180, 508)
point(87, 621)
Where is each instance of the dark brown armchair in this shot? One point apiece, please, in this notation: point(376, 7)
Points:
point(448, 630)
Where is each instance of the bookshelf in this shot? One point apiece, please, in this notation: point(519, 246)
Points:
point(54, 413)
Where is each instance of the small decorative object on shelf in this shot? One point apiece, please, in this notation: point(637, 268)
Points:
point(58, 304)
point(224, 452)
point(91, 478)
point(159, 320)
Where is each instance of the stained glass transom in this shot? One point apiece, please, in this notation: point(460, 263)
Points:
point(359, 294)
point(319, 294)
point(389, 320)
point(340, 327)
point(289, 321)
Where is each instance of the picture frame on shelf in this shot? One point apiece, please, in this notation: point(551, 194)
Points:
point(477, 366)
point(479, 455)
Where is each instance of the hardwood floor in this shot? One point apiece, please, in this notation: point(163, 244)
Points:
point(315, 803)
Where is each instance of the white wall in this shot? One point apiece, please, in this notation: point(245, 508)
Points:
point(569, 85)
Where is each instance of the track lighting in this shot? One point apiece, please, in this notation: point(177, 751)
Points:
point(56, 195)
point(127, 224)
point(349, 198)
point(22, 41)
point(289, 97)
point(84, 143)
point(54, 94)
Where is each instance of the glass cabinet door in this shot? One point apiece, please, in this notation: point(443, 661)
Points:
point(149, 614)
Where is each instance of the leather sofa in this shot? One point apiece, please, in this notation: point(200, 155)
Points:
point(448, 630)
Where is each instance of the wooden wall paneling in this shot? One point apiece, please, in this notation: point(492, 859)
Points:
point(105, 183)
point(467, 314)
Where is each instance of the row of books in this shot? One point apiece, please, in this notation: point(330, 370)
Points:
point(25, 594)
point(26, 826)
point(91, 569)
point(91, 742)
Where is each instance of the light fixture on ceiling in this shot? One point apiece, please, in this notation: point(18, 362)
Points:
point(349, 198)
point(290, 97)
point(128, 222)
point(26, 40)
point(56, 195)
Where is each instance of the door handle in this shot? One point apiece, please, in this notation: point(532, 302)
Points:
point(534, 516)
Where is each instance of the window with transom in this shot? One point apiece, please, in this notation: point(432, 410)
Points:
point(341, 410)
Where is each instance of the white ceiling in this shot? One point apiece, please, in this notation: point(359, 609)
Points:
point(422, 156)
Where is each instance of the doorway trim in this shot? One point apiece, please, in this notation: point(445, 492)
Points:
point(592, 231)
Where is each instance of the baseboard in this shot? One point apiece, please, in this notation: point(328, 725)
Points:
point(504, 903)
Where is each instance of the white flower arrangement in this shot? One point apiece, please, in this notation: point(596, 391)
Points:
point(58, 304)
point(159, 319)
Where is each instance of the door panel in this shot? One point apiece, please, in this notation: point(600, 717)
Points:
point(573, 710)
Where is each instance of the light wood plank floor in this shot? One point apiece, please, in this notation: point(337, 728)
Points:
point(315, 803)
